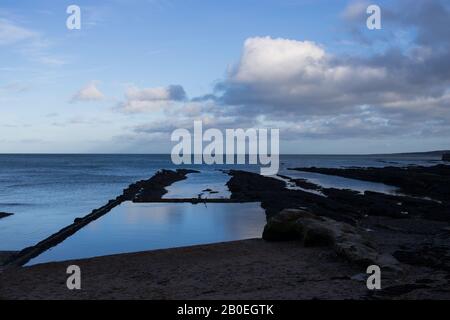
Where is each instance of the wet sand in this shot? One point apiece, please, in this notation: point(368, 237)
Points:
point(247, 269)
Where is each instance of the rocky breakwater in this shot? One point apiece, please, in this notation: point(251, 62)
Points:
point(154, 188)
point(141, 191)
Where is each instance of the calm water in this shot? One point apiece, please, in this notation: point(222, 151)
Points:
point(197, 185)
point(46, 192)
point(135, 227)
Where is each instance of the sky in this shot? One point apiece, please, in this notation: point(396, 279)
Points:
point(139, 69)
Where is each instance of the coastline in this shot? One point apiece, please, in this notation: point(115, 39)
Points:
point(318, 249)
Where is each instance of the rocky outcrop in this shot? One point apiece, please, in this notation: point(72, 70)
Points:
point(446, 157)
point(5, 214)
point(274, 197)
point(433, 252)
point(347, 241)
point(154, 188)
point(6, 256)
point(345, 205)
point(420, 181)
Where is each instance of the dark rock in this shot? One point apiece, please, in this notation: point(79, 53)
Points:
point(446, 157)
point(302, 183)
point(274, 197)
point(5, 214)
point(402, 289)
point(341, 205)
point(6, 256)
point(347, 241)
point(154, 188)
point(435, 257)
point(305, 184)
point(424, 281)
point(210, 191)
point(282, 227)
point(421, 181)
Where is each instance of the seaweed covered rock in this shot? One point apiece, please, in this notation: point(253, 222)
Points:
point(283, 226)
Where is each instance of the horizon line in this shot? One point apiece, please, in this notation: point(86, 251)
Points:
point(437, 152)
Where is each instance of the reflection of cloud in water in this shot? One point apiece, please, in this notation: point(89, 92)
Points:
point(253, 225)
point(156, 214)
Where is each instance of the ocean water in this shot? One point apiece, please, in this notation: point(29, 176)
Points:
point(46, 192)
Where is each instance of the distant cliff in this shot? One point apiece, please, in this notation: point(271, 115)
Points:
point(434, 153)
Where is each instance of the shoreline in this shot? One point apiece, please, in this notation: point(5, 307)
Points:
point(251, 269)
point(245, 269)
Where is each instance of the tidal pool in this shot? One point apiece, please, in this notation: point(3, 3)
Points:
point(133, 227)
point(205, 184)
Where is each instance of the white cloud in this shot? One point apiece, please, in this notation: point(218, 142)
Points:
point(299, 85)
point(31, 44)
point(156, 94)
point(300, 76)
point(267, 59)
point(15, 87)
point(356, 11)
point(88, 93)
point(152, 99)
point(11, 33)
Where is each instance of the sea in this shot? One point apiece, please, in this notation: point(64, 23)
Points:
point(46, 192)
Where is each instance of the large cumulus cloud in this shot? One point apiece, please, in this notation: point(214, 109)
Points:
point(303, 87)
point(284, 77)
point(309, 91)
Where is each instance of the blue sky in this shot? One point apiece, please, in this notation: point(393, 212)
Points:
point(104, 88)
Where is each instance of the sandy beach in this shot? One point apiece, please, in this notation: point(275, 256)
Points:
point(249, 269)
